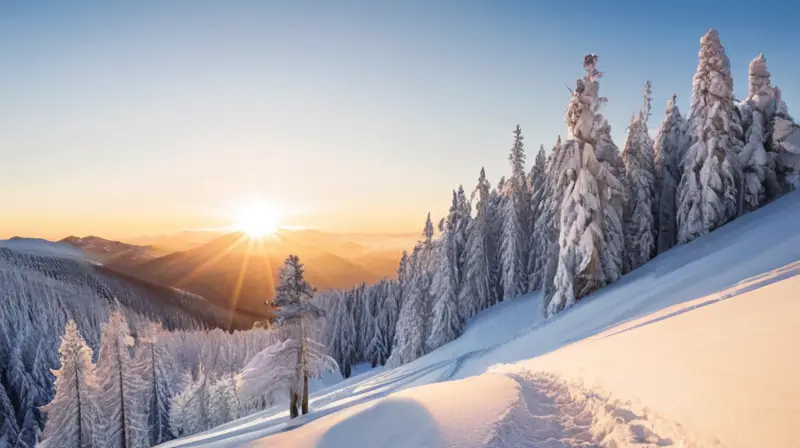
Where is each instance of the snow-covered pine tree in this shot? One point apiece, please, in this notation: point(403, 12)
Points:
point(614, 198)
point(580, 263)
point(477, 292)
point(768, 124)
point(341, 332)
point(708, 194)
point(223, 401)
point(494, 215)
point(546, 228)
point(446, 321)
point(516, 222)
point(73, 417)
point(758, 167)
point(412, 325)
point(375, 348)
point(291, 364)
point(640, 173)
point(120, 387)
point(386, 319)
point(537, 183)
point(24, 393)
point(667, 165)
point(786, 146)
point(155, 366)
point(189, 410)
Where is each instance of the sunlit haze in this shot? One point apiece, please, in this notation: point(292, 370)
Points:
point(258, 219)
point(127, 118)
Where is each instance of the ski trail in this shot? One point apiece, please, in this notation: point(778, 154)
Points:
point(553, 413)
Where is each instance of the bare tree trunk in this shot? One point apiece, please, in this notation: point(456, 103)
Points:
point(305, 394)
point(293, 404)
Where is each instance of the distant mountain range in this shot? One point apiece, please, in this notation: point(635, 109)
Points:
point(236, 272)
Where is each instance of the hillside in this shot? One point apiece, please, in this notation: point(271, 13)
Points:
point(114, 254)
point(236, 272)
point(45, 284)
point(692, 349)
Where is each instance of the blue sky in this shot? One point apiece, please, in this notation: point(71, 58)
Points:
point(122, 118)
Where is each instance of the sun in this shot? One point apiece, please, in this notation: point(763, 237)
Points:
point(257, 220)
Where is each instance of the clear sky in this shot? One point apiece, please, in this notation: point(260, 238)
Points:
point(129, 118)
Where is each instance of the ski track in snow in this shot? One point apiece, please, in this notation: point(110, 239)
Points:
point(553, 413)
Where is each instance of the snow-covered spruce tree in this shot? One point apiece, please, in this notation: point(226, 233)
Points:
point(299, 358)
point(375, 348)
point(667, 165)
point(24, 393)
point(341, 334)
point(189, 410)
point(494, 213)
point(155, 366)
point(223, 401)
point(640, 173)
point(544, 247)
point(768, 124)
point(448, 317)
point(412, 326)
point(786, 146)
point(120, 387)
point(73, 417)
point(537, 186)
point(709, 190)
point(580, 269)
point(614, 198)
point(477, 292)
point(516, 221)
point(758, 167)
point(387, 317)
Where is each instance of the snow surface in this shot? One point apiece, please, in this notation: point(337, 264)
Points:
point(41, 247)
point(695, 348)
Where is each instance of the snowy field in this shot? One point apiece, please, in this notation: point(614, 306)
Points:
point(697, 348)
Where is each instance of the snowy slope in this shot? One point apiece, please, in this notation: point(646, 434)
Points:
point(696, 348)
point(38, 246)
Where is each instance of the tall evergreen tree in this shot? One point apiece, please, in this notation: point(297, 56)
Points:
point(667, 166)
point(477, 291)
point(73, 417)
point(494, 212)
point(447, 320)
point(24, 393)
point(341, 333)
point(640, 174)
point(580, 263)
point(614, 199)
point(768, 125)
point(537, 184)
point(120, 387)
point(516, 221)
point(412, 325)
point(159, 376)
point(296, 313)
point(709, 190)
point(758, 168)
point(546, 226)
